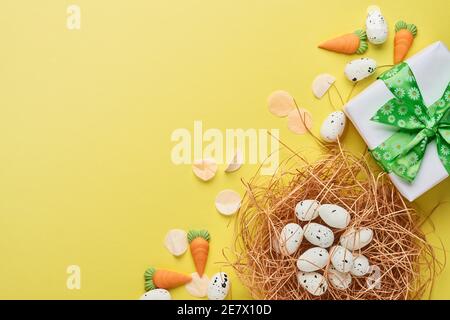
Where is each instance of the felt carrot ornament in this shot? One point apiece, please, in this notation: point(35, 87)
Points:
point(404, 37)
point(199, 244)
point(164, 279)
point(348, 43)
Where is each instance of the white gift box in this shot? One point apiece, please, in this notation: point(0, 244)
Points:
point(431, 68)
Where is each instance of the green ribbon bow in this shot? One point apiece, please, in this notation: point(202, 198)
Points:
point(403, 152)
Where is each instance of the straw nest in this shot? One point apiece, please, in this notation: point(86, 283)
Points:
point(405, 260)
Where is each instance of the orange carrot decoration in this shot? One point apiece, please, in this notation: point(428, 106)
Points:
point(404, 37)
point(349, 43)
point(199, 244)
point(164, 279)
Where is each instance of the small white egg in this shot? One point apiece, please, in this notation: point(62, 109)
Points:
point(290, 238)
point(313, 259)
point(355, 239)
point(334, 216)
point(306, 210)
point(339, 280)
point(333, 126)
point(156, 294)
point(376, 26)
point(219, 286)
point(359, 69)
point(312, 282)
point(341, 258)
point(319, 235)
point(360, 267)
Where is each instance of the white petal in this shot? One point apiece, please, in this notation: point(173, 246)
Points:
point(228, 202)
point(205, 169)
point(235, 163)
point(176, 242)
point(321, 84)
point(198, 287)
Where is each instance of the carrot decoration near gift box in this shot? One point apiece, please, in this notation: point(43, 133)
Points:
point(199, 244)
point(404, 38)
point(350, 43)
point(164, 279)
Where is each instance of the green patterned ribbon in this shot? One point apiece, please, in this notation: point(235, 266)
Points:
point(403, 152)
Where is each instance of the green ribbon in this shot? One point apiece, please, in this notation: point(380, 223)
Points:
point(403, 152)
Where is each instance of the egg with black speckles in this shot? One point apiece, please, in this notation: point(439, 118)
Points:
point(359, 69)
point(376, 26)
point(290, 238)
point(313, 282)
point(319, 235)
point(333, 126)
point(313, 259)
point(156, 294)
point(334, 216)
point(341, 258)
point(361, 266)
point(219, 286)
point(306, 210)
point(339, 280)
point(355, 239)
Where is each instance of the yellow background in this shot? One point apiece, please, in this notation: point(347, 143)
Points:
point(86, 118)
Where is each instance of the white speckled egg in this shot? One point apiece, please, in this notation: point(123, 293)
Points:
point(313, 259)
point(339, 280)
point(313, 282)
point(341, 258)
point(356, 239)
point(361, 266)
point(319, 235)
point(290, 238)
point(334, 216)
point(156, 294)
point(333, 126)
point(359, 69)
point(306, 210)
point(376, 26)
point(219, 286)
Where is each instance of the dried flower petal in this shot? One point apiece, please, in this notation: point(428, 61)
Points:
point(321, 84)
point(228, 202)
point(205, 169)
point(300, 121)
point(176, 242)
point(198, 287)
point(235, 163)
point(281, 103)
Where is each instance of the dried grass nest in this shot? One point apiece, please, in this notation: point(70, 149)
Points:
point(399, 248)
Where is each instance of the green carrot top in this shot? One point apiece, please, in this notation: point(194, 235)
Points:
point(361, 34)
point(408, 26)
point(192, 234)
point(363, 46)
point(148, 276)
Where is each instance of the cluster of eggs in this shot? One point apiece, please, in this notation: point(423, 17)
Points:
point(339, 261)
